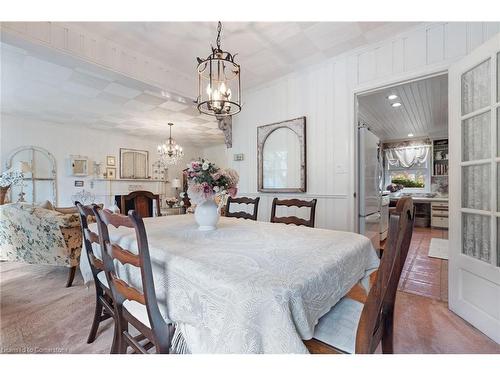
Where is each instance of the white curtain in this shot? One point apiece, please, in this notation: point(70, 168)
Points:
point(407, 157)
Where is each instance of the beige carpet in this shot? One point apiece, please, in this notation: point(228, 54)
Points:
point(39, 315)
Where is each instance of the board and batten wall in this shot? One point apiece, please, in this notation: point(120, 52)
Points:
point(324, 93)
point(65, 140)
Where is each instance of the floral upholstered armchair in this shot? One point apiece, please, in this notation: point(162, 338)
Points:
point(37, 235)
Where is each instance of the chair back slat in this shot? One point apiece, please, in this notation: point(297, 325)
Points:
point(96, 262)
point(291, 220)
point(294, 219)
point(116, 220)
point(127, 291)
point(124, 256)
point(377, 316)
point(92, 237)
point(242, 214)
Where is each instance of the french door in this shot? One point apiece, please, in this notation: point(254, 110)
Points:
point(474, 237)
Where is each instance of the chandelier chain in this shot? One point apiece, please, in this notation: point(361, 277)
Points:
point(219, 30)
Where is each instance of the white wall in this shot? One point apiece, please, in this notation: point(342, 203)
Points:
point(324, 93)
point(218, 154)
point(65, 140)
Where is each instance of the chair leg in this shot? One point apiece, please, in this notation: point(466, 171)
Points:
point(122, 343)
point(95, 323)
point(71, 276)
point(387, 338)
point(116, 339)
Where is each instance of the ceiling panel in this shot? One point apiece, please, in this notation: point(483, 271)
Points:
point(36, 88)
point(423, 111)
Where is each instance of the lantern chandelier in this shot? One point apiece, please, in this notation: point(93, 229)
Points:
point(219, 92)
point(170, 152)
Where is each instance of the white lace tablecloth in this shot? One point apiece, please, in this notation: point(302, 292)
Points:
point(247, 287)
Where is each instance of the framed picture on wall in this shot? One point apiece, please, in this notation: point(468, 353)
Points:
point(111, 173)
point(110, 161)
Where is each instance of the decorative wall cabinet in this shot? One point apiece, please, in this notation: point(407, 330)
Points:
point(134, 163)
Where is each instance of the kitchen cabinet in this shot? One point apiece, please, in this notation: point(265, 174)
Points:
point(439, 214)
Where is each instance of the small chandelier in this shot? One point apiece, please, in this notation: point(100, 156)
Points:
point(170, 152)
point(219, 92)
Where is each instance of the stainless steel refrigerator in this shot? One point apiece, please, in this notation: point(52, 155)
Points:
point(370, 179)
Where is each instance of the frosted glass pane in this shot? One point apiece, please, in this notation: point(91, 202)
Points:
point(476, 141)
point(476, 236)
point(476, 88)
point(476, 186)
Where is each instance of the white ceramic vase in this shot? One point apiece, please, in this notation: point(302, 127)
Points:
point(207, 215)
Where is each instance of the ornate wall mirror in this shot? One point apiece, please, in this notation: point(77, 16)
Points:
point(281, 150)
point(134, 164)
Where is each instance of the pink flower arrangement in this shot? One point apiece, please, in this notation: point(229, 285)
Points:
point(206, 181)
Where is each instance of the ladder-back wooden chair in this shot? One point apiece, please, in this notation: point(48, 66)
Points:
point(141, 201)
point(350, 326)
point(242, 214)
point(132, 306)
point(294, 219)
point(104, 305)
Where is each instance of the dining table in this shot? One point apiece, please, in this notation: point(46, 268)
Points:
point(247, 286)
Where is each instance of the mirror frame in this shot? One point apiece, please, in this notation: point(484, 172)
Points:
point(298, 126)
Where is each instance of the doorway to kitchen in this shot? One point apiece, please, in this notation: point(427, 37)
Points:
point(402, 148)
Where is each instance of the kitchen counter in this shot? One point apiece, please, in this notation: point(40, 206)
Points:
point(420, 199)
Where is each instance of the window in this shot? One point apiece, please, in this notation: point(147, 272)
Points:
point(416, 177)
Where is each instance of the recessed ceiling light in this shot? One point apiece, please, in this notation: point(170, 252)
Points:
point(392, 97)
point(396, 104)
point(410, 135)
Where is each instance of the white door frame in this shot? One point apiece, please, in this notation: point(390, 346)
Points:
point(474, 285)
point(435, 71)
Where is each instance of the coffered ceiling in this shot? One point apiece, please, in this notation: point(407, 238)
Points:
point(266, 50)
point(66, 91)
point(423, 111)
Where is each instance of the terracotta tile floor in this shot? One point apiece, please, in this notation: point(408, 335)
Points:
point(422, 274)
